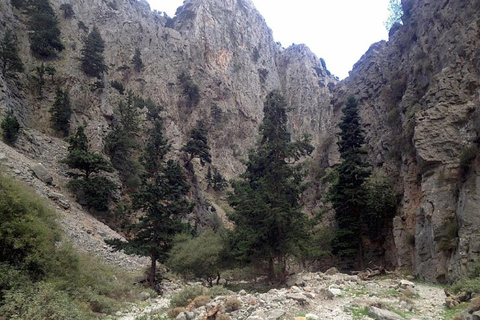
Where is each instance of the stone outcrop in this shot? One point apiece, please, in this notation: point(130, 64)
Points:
point(418, 93)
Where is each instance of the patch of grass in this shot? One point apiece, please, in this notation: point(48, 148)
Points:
point(185, 296)
point(359, 313)
point(449, 314)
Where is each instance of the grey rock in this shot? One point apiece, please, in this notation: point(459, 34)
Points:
point(181, 316)
point(190, 315)
point(476, 315)
point(406, 284)
point(297, 297)
point(381, 314)
point(332, 271)
point(42, 173)
point(3, 156)
point(254, 318)
point(335, 291)
point(311, 316)
point(275, 314)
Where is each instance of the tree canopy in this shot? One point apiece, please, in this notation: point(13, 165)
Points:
point(10, 61)
point(92, 60)
point(268, 220)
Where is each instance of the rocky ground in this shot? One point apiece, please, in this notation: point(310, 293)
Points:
point(315, 296)
point(35, 161)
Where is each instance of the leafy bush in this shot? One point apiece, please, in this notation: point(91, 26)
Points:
point(42, 279)
point(94, 192)
point(216, 291)
point(10, 128)
point(42, 301)
point(184, 297)
point(67, 10)
point(200, 257)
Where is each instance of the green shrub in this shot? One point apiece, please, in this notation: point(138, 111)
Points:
point(94, 192)
point(118, 86)
point(200, 301)
point(41, 301)
point(185, 296)
point(467, 285)
point(448, 240)
point(10, 128)
point(216, 291)
point(199, 256)
point(190, 89)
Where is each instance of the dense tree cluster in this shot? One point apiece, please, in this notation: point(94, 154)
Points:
point(45, 38)
point(92, 60)
point(61, 112)
point(10, 62)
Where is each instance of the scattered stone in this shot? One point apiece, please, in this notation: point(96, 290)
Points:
point(332, 271)
point(476, 315)
point(297, 297)
point(335, 291)
point(311, 316)
point(3, 156)
point(405, 284)
point(381, 314)
point(181, 316)
point(276, 314)
point(42, 173)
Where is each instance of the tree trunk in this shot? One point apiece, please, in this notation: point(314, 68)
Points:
point(218, 278)
point(153, 268)
point(271, 270)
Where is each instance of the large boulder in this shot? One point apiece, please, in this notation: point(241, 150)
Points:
point(42, 173)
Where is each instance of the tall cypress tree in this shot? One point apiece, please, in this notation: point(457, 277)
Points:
point(268, 219)
point(137, 60)
point(162, 200)
point(348, 194)
point(92, 61)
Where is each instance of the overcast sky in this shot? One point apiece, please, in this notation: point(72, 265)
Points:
point(340, 31)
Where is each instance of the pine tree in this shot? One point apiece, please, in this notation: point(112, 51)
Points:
point(92, 191)
point(162, 200)
point(45, 40)
point(92, 61)
point(219, 182)
point(10, 62)
point(10, 128)
point(197, 147)
point(268, 221)
point(61, 112)
point(137, 60)
point(121, 143)
point(209, 177)
point(39, 79)
point(348, 194)
point(395, 13)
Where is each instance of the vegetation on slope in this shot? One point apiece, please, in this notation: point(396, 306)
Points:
point(42, 277)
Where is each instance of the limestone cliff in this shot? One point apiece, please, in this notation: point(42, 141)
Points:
point(418, 92)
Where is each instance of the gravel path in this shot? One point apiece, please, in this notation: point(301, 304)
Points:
point(317, 296)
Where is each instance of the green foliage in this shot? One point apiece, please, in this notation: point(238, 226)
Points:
point(217, 291)
point(197, 146)
point(190, 89)
point(448, 239)
point(347, 194)
point(45, 40)
point(61, 112)
point(120, 143)
point(216, 114)
point(28, 231)
point(67, 10)
point(92, 61)
point(10, 128)
point(51, 71)
point(381, 204)
point(469, 284)
point(395, 13)
point(162, 199)
point(39, 79)
point(41, 278)
point(216, 180)
point(19, 4)
point(183, 298)
point(318, 244)
point(137, 60)
point(268, 219)
point(10, 62)
point(200, 256)
point(81, 25)
point(93, 192)
point(118, 86)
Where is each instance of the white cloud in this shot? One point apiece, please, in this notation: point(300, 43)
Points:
point(340, 31)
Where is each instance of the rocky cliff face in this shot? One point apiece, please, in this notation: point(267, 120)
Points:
point(419, 96)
